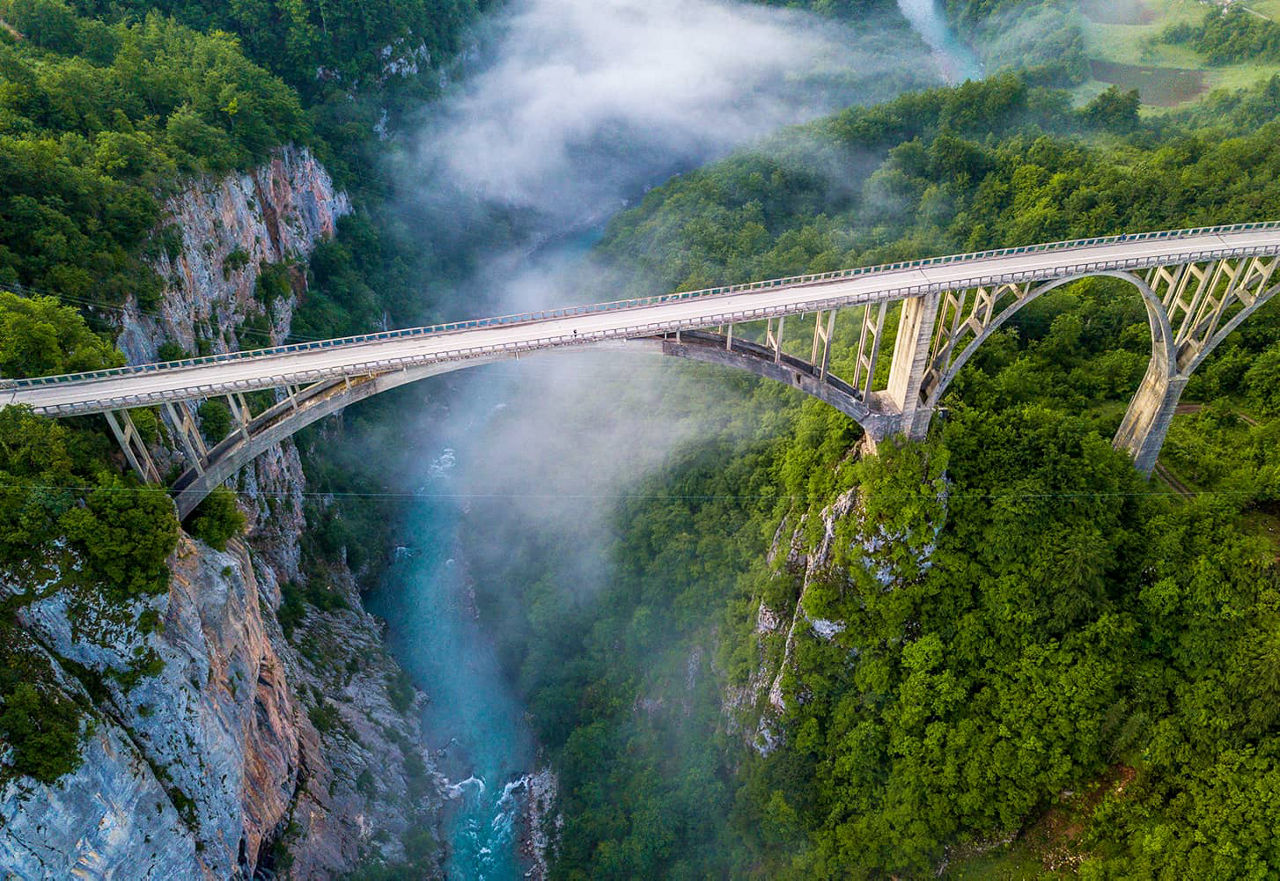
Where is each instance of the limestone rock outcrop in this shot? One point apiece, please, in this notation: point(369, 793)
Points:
point(217, 744)
point(754, 707)
point(212, 243)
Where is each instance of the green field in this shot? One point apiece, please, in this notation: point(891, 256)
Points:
point(1130, 55)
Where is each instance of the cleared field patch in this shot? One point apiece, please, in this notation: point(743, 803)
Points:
point(1123, 43)
point(1117, 11)
point(1159, 86)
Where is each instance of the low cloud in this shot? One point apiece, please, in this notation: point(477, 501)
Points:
point(589, 101)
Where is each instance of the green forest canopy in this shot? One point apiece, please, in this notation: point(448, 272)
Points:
point(1074, 630)
point(97, 122)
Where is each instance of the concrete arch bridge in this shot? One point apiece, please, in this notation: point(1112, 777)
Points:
point(1197, 284)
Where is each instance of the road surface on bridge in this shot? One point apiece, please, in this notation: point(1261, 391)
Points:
point(305, 362)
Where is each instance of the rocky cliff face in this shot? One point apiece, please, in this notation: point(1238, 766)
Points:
point(217, 237)
point(218, 744)
point(212, 740)
point(846, 540)
point(241, 742)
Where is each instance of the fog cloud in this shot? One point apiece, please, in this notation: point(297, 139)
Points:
point(589, 100)
point(585, 104)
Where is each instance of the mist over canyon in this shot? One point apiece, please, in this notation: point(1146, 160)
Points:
point(569, 111)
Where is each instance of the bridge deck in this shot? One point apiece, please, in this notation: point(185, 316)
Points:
point(91, 393)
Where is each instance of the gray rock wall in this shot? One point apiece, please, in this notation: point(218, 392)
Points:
point(217, 766)
point(754, 708)
point(229, 226)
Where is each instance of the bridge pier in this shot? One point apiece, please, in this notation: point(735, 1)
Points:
point(1147, 420)
point(910, 361)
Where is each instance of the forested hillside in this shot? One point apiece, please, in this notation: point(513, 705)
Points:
point(1229, 35)
point(1033, 660)
point(106, 108)
point(313, 46)
point(110, 115)
point(97, 123)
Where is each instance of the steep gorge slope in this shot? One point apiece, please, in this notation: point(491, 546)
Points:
point(198, 704)
point(1009, 636)
point(238, 744)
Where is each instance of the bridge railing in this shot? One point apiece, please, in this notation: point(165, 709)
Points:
point(639, 302)
point(480, 352)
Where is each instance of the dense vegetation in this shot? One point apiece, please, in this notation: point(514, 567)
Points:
point(218, 519)
point(39, 722)
point(98, 122)
point(946, 171)
point(68, 522)
point(357, 67)
point(313, 45)
point(1044, 641)
point(1229, 36)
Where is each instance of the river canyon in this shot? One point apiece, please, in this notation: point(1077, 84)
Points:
point(590, 612)
point(567, 112)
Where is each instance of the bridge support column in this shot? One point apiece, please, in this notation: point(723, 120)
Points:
point(1147, 420)
point(868, 356)
point(910, 361)
point(184, 426)
point(773, 339)
point(135, 450)
point(240, 412)
point(821, 354)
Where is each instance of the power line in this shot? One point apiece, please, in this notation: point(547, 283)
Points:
point(507, 495)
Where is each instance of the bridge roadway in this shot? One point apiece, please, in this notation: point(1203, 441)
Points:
point(485, 339)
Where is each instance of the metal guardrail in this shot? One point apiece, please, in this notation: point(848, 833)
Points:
point(473, 353)
point(793, 281)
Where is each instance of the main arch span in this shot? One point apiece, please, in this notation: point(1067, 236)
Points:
point(1198, 285)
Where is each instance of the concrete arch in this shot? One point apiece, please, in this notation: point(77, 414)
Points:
point(712, 348)
point(1150, 413)
point(280, 422)
point(1163, 352)
point(1226, 330)
point(296, 412)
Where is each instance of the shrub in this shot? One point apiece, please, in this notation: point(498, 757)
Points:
point(235, 261)
point(147, 423)
point(215, 420)
point(1262, 382)
point(44, 731)
point(218, 519)
point(171, 351)
point(274, 283)
point(325, 717)
point(126, 533)
point(38, 338)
